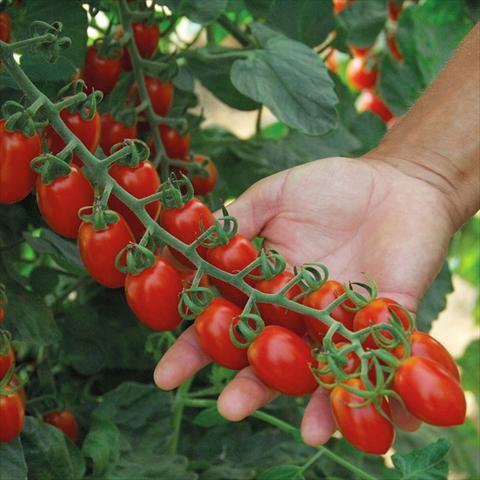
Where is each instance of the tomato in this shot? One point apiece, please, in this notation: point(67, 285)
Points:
point(175, 145)
point(114, 132)
point(153, 295)
point(394, 9)
point(184, 224)
point(369, 101)
point(12, 416)
point(187, 277)
point(281, 359)
point(87, 131)
point(5, 27)
point(2, 315)
point(232, 258)
point(393, 46)
point(359, 75)
point(146, 37)
point(60, 201)
point(364, 427)
point(378, 311)
point(212, 327)
point(351, 366)
point(101, 73)
point(99, 249)
point(15, 382)
point(274, 314)
point(430, 392)
point(6, 361)
point(204, 185)
point(359, 51)
point(65, 421)
point(339, 5)
point(321, 299)
point(16, 152)
point(140, 181)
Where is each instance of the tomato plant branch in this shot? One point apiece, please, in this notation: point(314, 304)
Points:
point(233, 29)
point(178, 416)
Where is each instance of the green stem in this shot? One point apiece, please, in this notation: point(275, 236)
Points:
point(310, 462)
point(233, 29)
point(177, 416)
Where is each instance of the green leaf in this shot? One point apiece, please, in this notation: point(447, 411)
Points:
point(470, 372)
point(424, 464)
point(210, 417)
point(363, 21)
point(198, 12)
point(282, 472)
point(12, 460)
point(435, 299)
point(290, 79)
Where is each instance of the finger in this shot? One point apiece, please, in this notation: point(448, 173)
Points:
point(318, 424)
point(243, 395)
point(182, 360)
point(402, 417)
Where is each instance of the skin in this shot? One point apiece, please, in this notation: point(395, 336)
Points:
point(417, 188)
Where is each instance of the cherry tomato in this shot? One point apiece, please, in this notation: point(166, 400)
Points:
point(393, 46)
point(232, 258)
point(276, 315)
point(371, 102)
point(359, 51)
point(140, 181)
point(99, 249)
point(212, 327)
point(65, 421)
point(378, 311)
point(187, 277)
point(175, 145)
point(2, 315)
point(332, 62)
point(281, 359)
point(5, 27)
point(321, 299)
point(339, 5)
point(101, 73)
point(184, 223)
point(351, 365)
point(87, 131)
point(430, 392)
point(12, 416)
point(6, 361)
point(16, 176)
point(153, 295)
point(114, 132)
point(394, 9)
point(146, 37)
point(15, 382)
point(359, 75)
point(60, 201)
point(364, 427)
point(204, 185)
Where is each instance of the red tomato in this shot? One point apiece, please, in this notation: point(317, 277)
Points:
point(322, 298)
point(5, 27)
point(146, 37)
point(353, 362)
point(140, 182)
point(281, 360)
point(12, 416)
point(99, 249)
point(15, 382)
point(87, 131)
point(339, 5)
point(65, 421)
point(212, 327)
point(393, 46)
point(232, 258)
point(359, 51)
point(187, 277)
point(394, 9)
point(378, 311)
point(6, 361)
point(184, 224)
point(430, 392)
point(175, 145)
point(369, 101)
point(101, 73)
point(364, 427)
point(203, 185)
point(2, 315)
point(359, 76)
point(114, 132)
point(153, 295)
point(60, 201)
point(276, 315)
point(16, 176)
point(161, 97)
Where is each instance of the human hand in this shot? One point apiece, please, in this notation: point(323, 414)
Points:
point(354, 216)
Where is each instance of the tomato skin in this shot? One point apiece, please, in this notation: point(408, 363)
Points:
point(2, 315)
point(153, 295)
point(6, 361)
point(394, 9)
point(12, 416)
point(358, 74)
point(212, 327)
point(161, 95)
point(232, 257)
point(16, 153)
point(276, 315)
point(140, 181)
point(60, 201)
point(175, 145)
point(339, 5)
point(204, 185)
point(364, 427)
point(99, 249)
point(280, 359)
point(353, 362)
point(376, 313)
point(15, 382)
point(5, 27)
point(65, 421)
point(430, 392)
point(146, 38)
point(371, 102)
point(101, 73)
point(393, 47)
point(184, 224)
point(114, 132)
point(359, 51)
point(187, 277)
point(320, 299)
